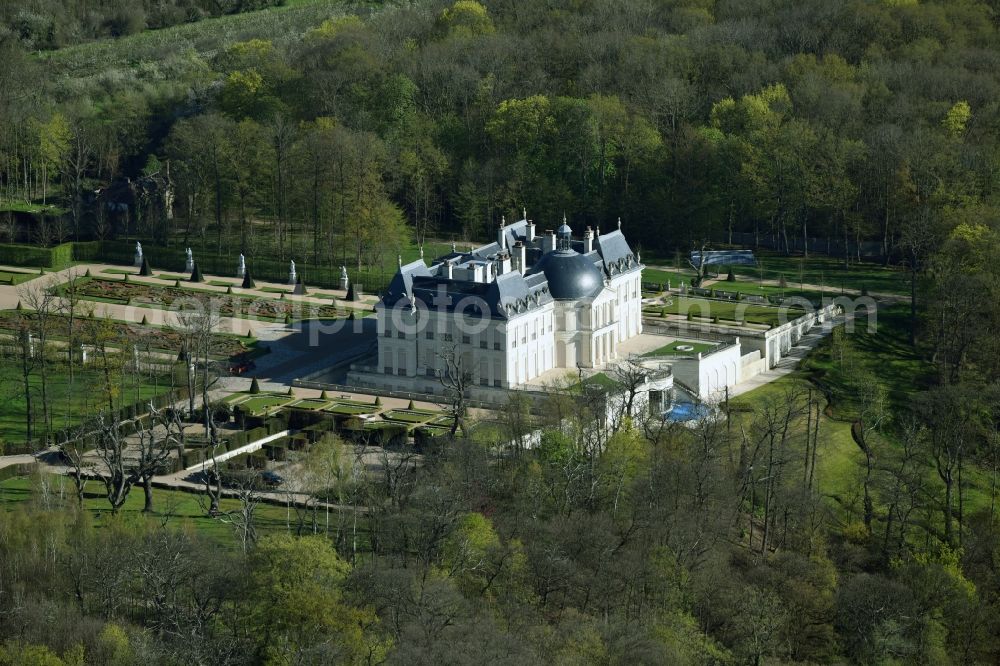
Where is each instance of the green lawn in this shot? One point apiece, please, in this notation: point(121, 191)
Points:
point(16, 278)
point(263, 403)
point(884, 351)
point(837, 458)
point(742, 286)
point(706, 308)
point(816, 269)
point(347, 408)
point(71, 402)
point(181, 508)
point(310, 403)
point(662, 276)
point(672, 348)
point(827, 271)
point(408, 415)
point(19, 206)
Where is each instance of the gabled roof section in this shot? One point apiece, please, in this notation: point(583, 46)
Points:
point(505, 297)
point(401, 286)
point(615, 254)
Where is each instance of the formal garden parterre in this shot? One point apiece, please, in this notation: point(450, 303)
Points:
point(141, 294)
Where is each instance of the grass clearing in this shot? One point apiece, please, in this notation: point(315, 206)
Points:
point(828, 271)
point(674, 348)
point(815, 269)
point(407, 415)
point(706, 308)
point(313, 404)
point(72, 402)
point(175, 506)
point(261, 404)
point(15, 278)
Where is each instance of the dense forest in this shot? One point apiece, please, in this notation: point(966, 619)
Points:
point(686, 119)
point(346, 133)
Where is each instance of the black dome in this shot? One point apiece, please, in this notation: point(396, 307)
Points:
point(570, 275)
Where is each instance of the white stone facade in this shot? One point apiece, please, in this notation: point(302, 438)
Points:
point(510, 310)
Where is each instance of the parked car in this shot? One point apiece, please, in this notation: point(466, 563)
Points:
point(242, 367)
point(271, 479)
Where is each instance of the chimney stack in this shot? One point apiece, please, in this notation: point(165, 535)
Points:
point(501, 236)
point(531, 230)
point(549, 241)
point(588, 241)
point(503, 263)
point(520, 257)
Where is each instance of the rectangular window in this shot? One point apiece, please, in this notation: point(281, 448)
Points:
point(446, 337)
point(496, 383)
point(431, 372)
point(483, 381)
point(400, 335)
point(496, 346)
point(482, 344)
point(401, 372)
point(430, 335)
point(466, 340)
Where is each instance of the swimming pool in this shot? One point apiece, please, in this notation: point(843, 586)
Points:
point(686, 408)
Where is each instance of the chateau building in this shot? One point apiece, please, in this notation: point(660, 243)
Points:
point(510, 311)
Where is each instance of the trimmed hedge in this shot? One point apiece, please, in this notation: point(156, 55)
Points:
point(174, 259)
point(58, 256)
point(13, 471)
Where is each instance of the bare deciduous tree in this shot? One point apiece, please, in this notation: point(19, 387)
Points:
point(129, 460)
point(455, 379)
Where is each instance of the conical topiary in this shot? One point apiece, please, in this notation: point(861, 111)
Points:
point(300, 289)
point(125, 279)
point(19, 306)
point(248, 282)
point(229, 289)
point(196, 273)
point(378, 401)
point(145, 270)
point(87, 274)
point(177, 283)
point(145, 320)
point(323, 395)
point(351, 294)
point(254, 386)
point(411, 405)
point(291, 393)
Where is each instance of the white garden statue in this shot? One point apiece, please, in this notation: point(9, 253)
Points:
point(138, 254)
point(242, 270)
point(189, 263)
point(292, 277)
